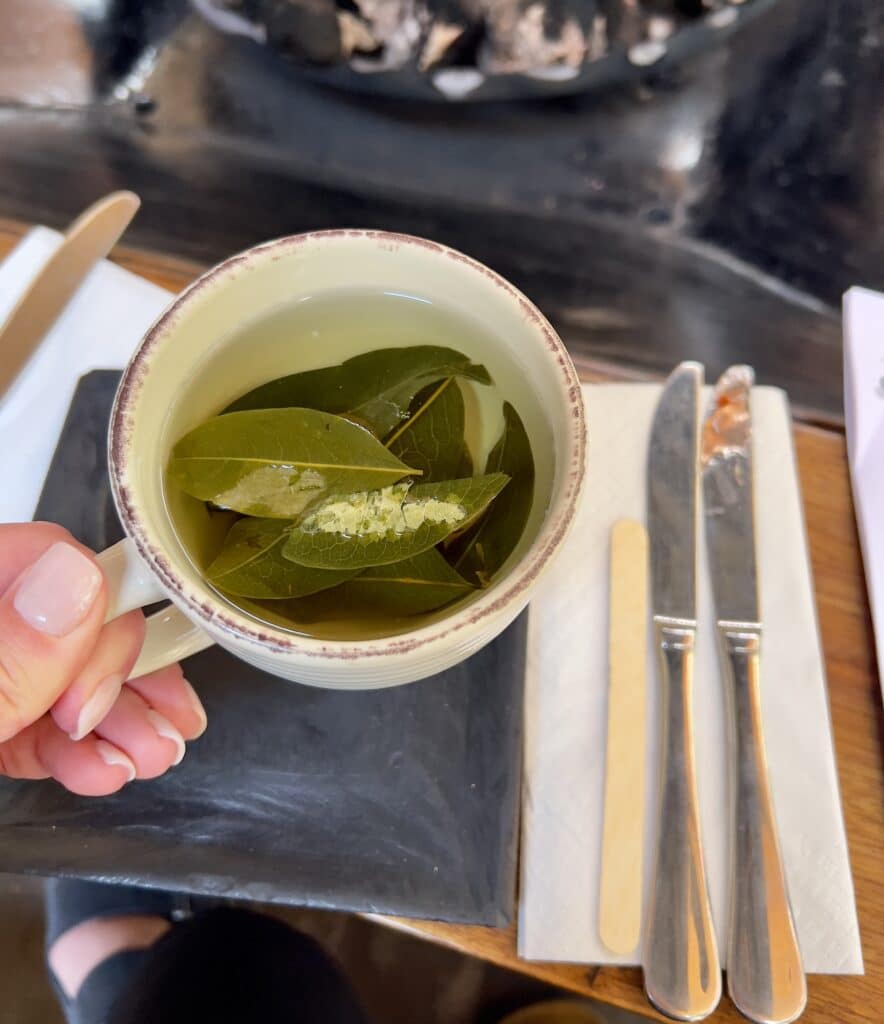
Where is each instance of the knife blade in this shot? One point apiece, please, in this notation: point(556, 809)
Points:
point(89, 239)
point(682, 974)
point(765, 976)
point(673, 494)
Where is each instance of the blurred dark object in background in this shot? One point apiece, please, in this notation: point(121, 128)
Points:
point(711, 205)
point(478, 49)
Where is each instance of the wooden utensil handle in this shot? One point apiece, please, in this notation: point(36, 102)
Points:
point(620, 886)
point(764, 972)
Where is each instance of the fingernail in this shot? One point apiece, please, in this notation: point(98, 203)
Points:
point(197, 706)
point(115, 757)
point(98, 705)
point(168, 731)
point(58, 590)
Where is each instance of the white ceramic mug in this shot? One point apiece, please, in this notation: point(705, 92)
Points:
point(150, 414)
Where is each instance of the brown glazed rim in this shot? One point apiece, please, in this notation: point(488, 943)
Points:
point(210, 610)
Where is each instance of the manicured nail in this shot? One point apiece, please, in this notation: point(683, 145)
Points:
point(115, 757)
point(197, 706)
point(58, 590)
point(98, 705)
point(168, 731)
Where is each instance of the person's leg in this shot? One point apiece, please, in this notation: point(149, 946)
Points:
point(234, 965)
point(96, 936)
point(116, 959)
point(76, 954)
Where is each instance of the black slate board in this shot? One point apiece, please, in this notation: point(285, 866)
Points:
point(402, 801)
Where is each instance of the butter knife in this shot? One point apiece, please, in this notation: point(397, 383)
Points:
point(89, 239)
point(682, 973)
point(764, 972)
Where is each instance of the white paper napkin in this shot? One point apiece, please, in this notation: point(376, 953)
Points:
point(567, 692)
point(864, 415)
point(99, 329)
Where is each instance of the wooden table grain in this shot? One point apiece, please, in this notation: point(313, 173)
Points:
point(855, 701)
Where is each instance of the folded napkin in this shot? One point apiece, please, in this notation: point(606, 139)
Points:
point(566, 714)
point(864, 415)
point(99, 329)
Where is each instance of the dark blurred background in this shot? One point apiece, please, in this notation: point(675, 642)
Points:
point(713, 205)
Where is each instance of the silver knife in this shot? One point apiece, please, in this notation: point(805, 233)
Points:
point(89, 239)
point(681, 966)
point(764, 972)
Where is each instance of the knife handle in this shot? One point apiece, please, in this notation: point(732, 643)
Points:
point(681, 966)
point(764, 972)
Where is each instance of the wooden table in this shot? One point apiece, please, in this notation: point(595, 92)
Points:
point(854, 696)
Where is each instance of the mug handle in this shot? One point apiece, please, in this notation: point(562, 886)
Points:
point(170, 635)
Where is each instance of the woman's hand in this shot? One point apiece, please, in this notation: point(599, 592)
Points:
point(64, 709)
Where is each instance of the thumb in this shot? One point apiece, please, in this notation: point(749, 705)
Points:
point(50, 617)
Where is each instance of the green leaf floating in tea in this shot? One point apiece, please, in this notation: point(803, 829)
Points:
point(376, 388)
point(278, 462)
point(379, 527)
point(381, 594)
point(337, 535)
point(410, 587)
point(251, 564)
point(431, 439)
point(486, 546)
